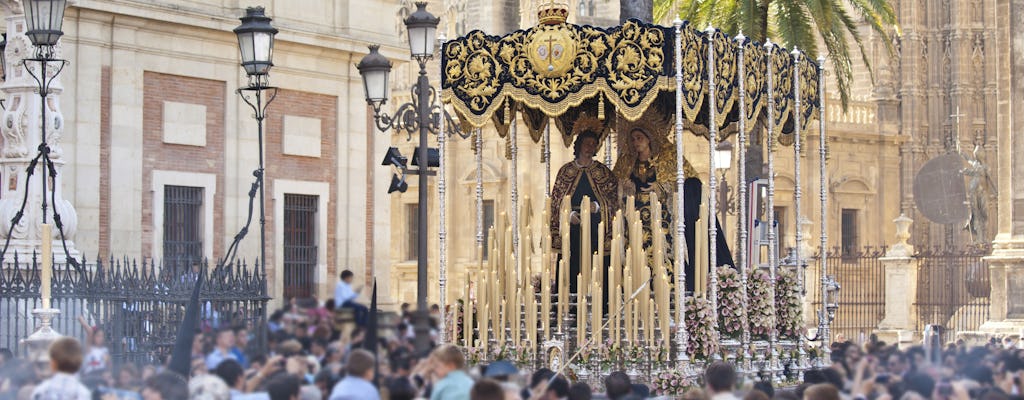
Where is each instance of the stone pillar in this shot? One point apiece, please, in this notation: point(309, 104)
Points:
point(22, 134)
point(900, 321)
point(1006, 263)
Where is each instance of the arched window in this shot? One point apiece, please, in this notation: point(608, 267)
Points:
point(592, 11)
point(582, 8)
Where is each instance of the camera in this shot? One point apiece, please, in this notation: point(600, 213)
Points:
point(882, 378)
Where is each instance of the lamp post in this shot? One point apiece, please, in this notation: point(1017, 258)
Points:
point(43, 21)
point(256, 45)
point(422, 115)
point(827, 314)
point(723, 160)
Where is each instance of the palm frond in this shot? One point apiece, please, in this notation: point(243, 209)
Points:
point(793, 26)
point(663, 10)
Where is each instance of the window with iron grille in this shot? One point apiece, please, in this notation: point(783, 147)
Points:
point(850, 231)
point(488, 223)
point(300, 245)
point(183, 224)
point(412, 215)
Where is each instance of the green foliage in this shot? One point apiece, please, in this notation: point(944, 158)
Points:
point(801, 24)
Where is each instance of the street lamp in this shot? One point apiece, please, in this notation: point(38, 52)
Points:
point(422, 115)
point(43, 20)
point(723, 161)
point(256, 46)
point(827, 314)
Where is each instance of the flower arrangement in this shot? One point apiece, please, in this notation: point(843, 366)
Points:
point(701, 344)
point(584, 358)
point(671, 383)
point(475, 355)
point(501, 352)
point(760, 310)
point(787, 304)
point(659, 356)
point(730, 307)
point(636, 355)
point(610, 354)
point(522, 355)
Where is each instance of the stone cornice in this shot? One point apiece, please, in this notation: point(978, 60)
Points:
point(225, 19)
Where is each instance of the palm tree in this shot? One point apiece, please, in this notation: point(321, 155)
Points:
point(796, 24)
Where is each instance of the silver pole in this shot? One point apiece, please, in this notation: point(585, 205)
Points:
point(547, 159)
point(442, 230)
point(682, 358)
point(773, 259)
point(742, 213)
point(479, 159)
point(823, 258)
point(712, 185)
point(798, 185)
point(514, 184)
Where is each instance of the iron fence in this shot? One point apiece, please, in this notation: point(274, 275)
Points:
point(953, 289)
point(862, 296)
point(139, 305)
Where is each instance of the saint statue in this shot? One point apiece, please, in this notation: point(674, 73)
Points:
point(643, 169)
point(584, 176)
point(978, 185)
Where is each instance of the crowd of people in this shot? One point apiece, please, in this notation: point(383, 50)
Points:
point(308, 356)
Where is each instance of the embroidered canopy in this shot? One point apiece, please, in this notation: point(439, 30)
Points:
point(563, 71)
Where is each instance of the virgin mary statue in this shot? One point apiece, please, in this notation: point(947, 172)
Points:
point(646, 166)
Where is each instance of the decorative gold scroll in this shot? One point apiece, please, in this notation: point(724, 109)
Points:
point(554, 67)
point(563, 71)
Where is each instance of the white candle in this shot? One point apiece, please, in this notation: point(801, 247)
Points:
point(46, 275)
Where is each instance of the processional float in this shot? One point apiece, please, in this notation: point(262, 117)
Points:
point(676, 79)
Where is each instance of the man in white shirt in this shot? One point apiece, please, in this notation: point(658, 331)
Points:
point(345, 296)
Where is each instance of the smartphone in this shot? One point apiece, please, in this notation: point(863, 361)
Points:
point(882, 378)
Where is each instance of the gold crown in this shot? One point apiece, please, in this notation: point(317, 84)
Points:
point(553, 12)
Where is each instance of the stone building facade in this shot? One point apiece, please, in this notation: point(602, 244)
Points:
point(155, 132)
point(942, 93)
